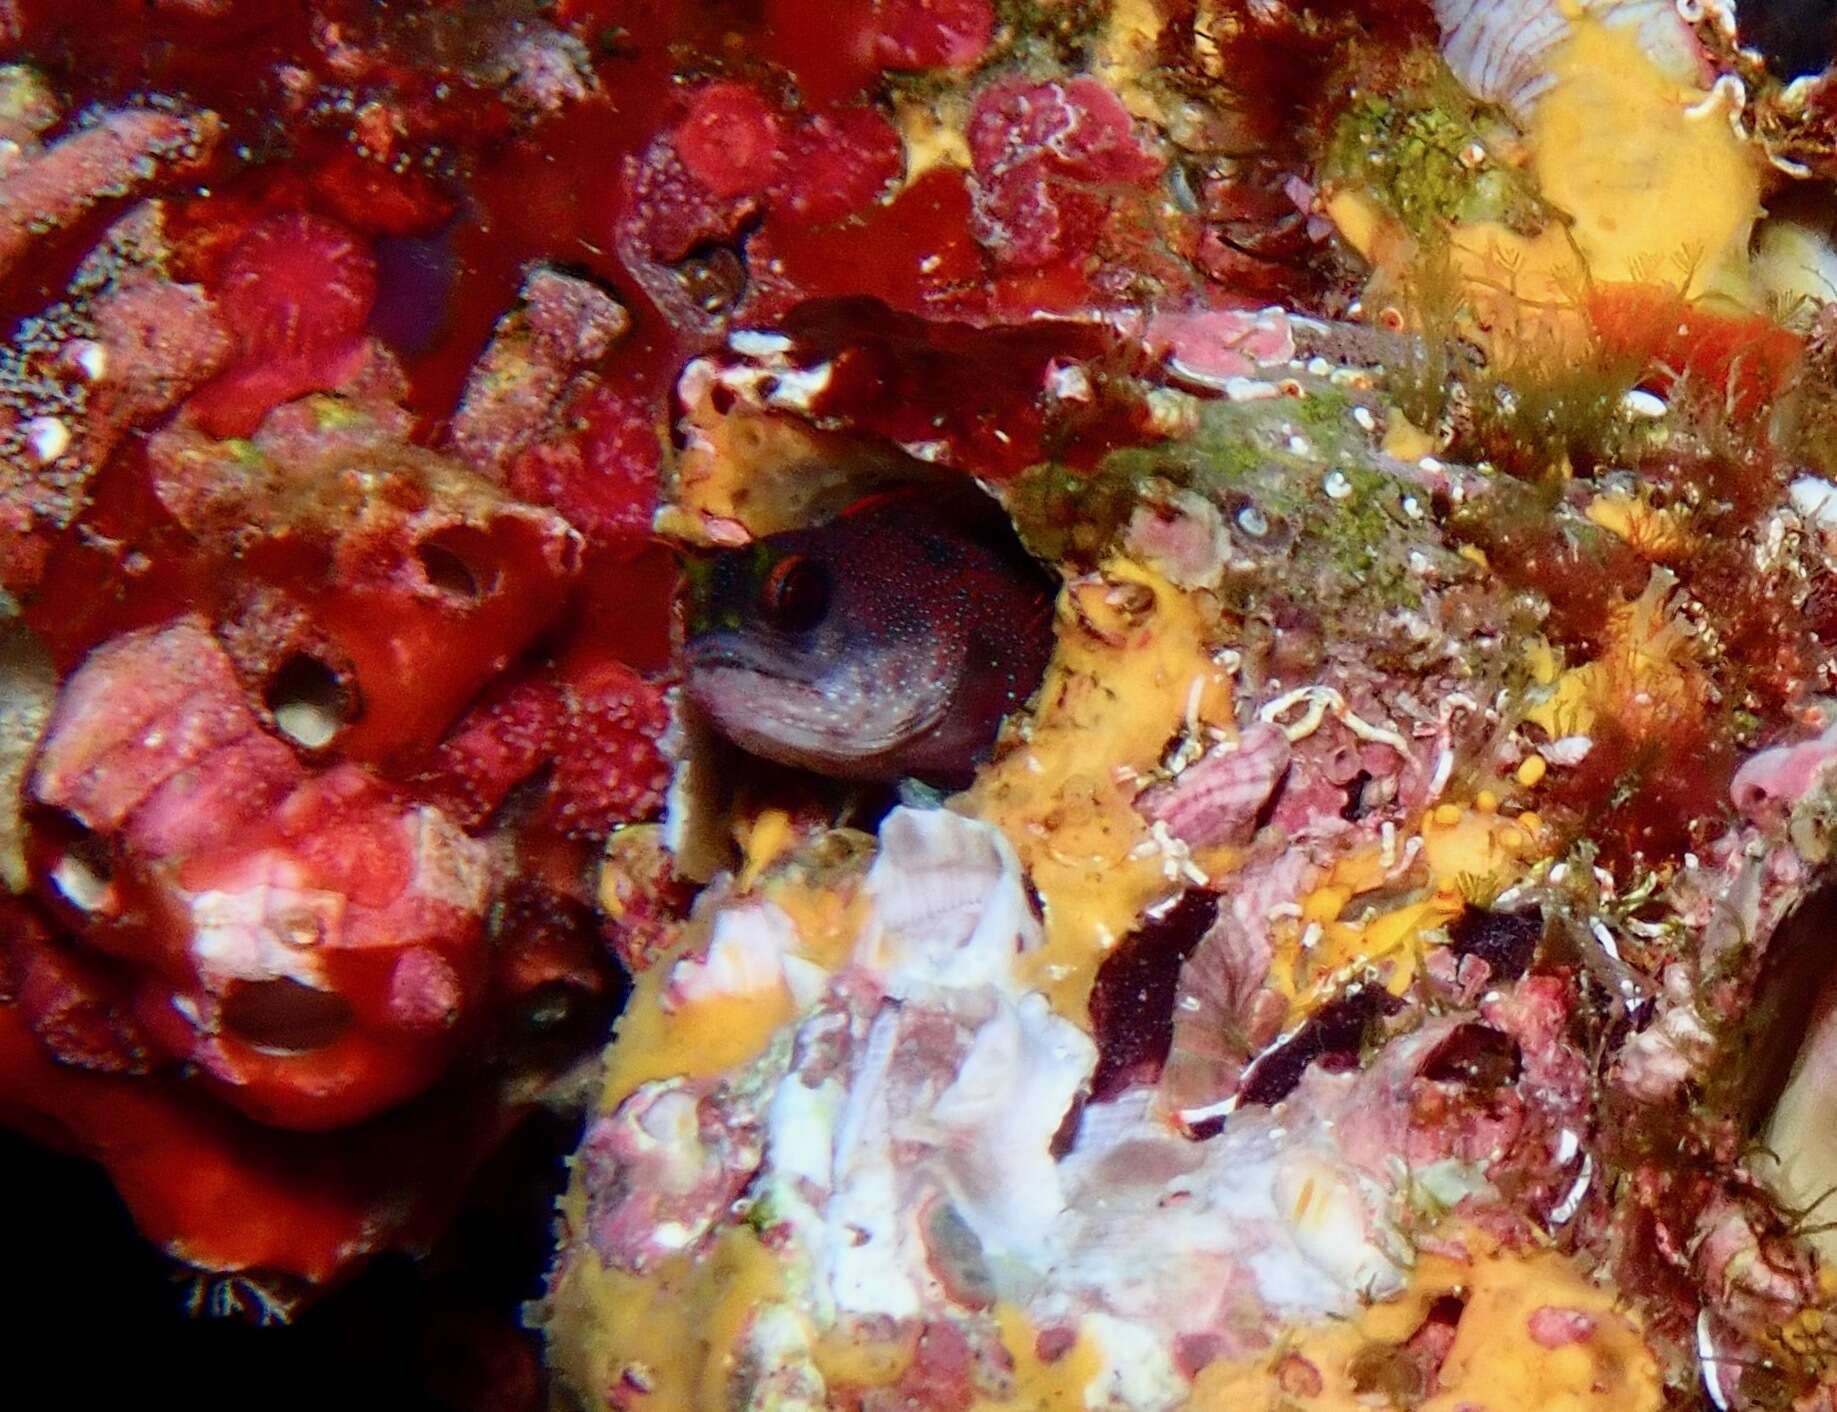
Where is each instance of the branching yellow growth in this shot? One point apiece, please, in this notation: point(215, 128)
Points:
point(1656, 535)
point(1644, 675)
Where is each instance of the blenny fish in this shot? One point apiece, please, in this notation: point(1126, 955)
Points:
point(889, 641)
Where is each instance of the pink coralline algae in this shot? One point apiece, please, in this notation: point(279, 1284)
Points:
point(1208, 346)
point(517, 388)
point(126, 346)
point(673, 1156)
point(836, 163)
point(116, 155)
point(309, 941)
point(1771, 783)
point(729, 141)
point(1046, 155)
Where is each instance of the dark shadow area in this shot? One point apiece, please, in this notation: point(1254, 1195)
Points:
point(99, 1313)
point(1796, 36)
point(1765, 1045)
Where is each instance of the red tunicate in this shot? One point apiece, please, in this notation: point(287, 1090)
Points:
point(1080, 129)
point(932, 34)
point(216, 1191)
point(974, 389)
point(199, 809)
point(375, 197)
point(836, 163)
point(627, 593)
point(503, 740)
point(295, 283)
point(235, 403)
point(1041, 151)
point(669, 211)
point(151, 748)
point(915, 253)
point(1026, 218)
point(74, 1001)
point(622, 452)
point(344, 841)
point(729, 140)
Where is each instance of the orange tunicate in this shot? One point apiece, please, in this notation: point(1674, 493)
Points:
point(1737, 358)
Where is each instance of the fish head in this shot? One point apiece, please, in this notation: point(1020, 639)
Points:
point(800, 650)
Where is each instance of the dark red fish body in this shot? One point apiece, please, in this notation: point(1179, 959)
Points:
point(890, 641)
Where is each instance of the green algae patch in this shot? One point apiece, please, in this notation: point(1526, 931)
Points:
point(1414, 140)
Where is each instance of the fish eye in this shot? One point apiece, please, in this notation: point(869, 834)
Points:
point(795, 594)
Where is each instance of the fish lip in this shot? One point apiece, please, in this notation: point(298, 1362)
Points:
point(731, 676)
point(724, 684)
point(726, 650)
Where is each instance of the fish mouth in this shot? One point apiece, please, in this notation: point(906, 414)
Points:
point(725, 651)
point(835, 725)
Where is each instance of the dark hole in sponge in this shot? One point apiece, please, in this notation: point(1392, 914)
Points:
point(283, 1016)
point(309, 701)
point(458, 562)
point(77, 862)
point(1475, 1055)
point(1762, 1045)
point(1333, 1035)
point(1403, 1374)
point(1795, 37)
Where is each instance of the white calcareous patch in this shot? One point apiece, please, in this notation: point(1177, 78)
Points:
point(265, 925)
point(1816, 499)
point(752, 951)
point(49, 438)
point(918, 1144)
point(1639, 403)
point(949, 907)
